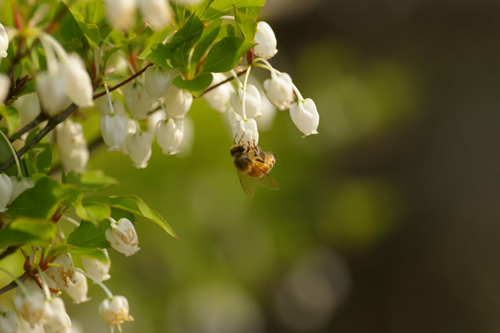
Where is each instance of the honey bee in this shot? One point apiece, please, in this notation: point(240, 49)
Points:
point(253, 166)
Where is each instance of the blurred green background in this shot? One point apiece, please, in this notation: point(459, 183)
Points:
point(387, 221)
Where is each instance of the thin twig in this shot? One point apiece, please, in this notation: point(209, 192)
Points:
point(9, 251)
point(124, 81)
point(222, 82)
point(13, 284)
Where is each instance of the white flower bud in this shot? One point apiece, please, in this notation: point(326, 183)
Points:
point(137, 100)
point(31, 306)
point(113, 130)
point(139, 148)
point(305, 116)
point(122, 237)
point(99, 270)
point(115, 311)
point(4, 42)
point(77, 161)
point(5, 191)
point(51, 88)
point(78, 84)
point(246, 131)
point(120, 13)
point(177, 102)
point(266, 41)
point(18, 186)
point(78, 290)
point(61, 275)
point(218, 98)
point(4, 86)
point(157, 13)
point(157, 80)
point(57, 320)
point(279, 90)
point(8, 322)
point(154, 119)
point(29, 108)
point(169, 135)
point(69, 137)
point(253, 103)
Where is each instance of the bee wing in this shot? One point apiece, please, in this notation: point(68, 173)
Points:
point(248, 184)
point(268, 182)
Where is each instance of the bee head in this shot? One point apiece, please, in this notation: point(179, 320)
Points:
point(237, 149)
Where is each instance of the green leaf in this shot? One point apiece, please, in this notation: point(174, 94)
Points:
point(43, 199)
point(94, 180)
point(80, 251)
point(207, 38)
point(90, 30)
point(221, 7)
point(89, 235)
point(11, 117)
point(158, 55)
point(224, 55)
point(246, 24)
point(39, 158)
point(69, 33)
point(197, 85)
point(26, 230)
point(135, 205)
point(94, 212)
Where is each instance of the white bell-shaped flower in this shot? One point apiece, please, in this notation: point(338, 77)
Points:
point(137, 100)
point(177, 102)
point(78, 83)
point(99, 270)
point(218, 98)
point(4, 42)
point(69, 137)
point(153, 120)
point(78, 290)
point(121, 13)
point(246, 131)
point(8, 322)
point(157, 13)
point(5, 191)
point(28, 107)
point(57, 320)
point(4, 87)
point(169, 135)
point(113, 130)
point(31, 306)
point(51, 86)
point(279, 90)
point(77, 161)
point(157, 80)
point(122, 237)
point(19, 185)
point(132, 127)
point(266, 41)
point(253, 102)
point(139, 148)
point(115, 311)
point(61, 275)
point(305, 116)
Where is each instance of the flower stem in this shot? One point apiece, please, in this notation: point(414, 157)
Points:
point(19, 171)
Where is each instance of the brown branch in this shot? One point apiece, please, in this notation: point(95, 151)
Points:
point(124, 81)
point(9, 251)
point(13, 284)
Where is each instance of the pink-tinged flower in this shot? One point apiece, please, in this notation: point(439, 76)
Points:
point(266, 41)
point(305, 116)
point(122, 237)
point(253, 102)
point(115, 311)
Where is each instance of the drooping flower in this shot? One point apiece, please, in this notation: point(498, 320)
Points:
point(177, 102)
point(305, 116)
point(5, 191)
point(120, 13)
point(78, 83)
point(218, 98)
point(61, 275)
point(31, 306)
point(169, 135)
point(253, 103)
point(157, 80)
point(78, 290)
point(279, 90)
point(113, 130)
point(29, 108)
point(19, 186)
point(99, 270)
point(57, 320)
point(153, 120)
point(115, 311)
point(157, 13)
point(51, 86)
point(4, 42)
point(69, 137)
point(266, 41)
point(246, 131)
point(4, 87)
point(8, 322)
point(137, 100)
point(122, 236)
point(139, 148)
point(77, 161)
